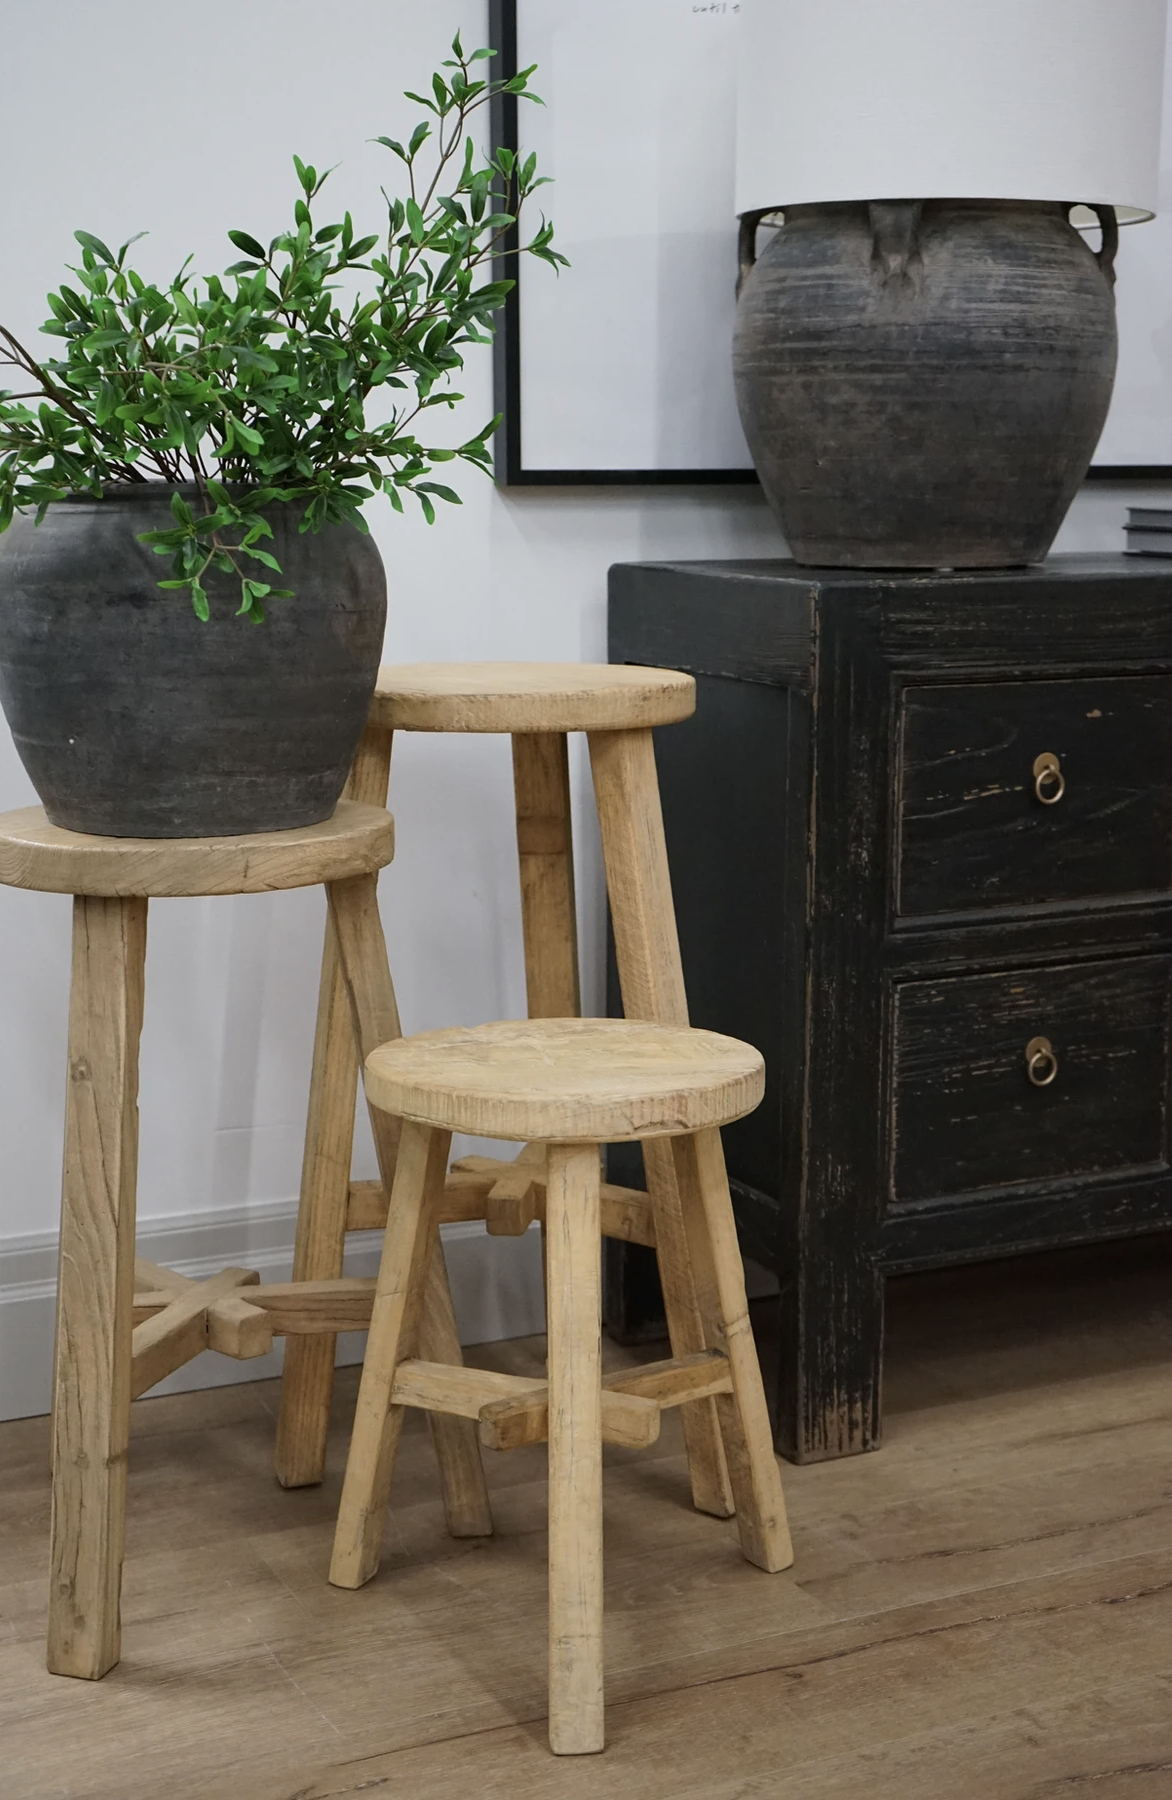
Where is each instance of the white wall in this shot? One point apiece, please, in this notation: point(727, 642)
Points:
point(141, 113)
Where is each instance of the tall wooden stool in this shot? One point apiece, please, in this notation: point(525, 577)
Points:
point(538, 704)
point(571, 1085)
point(114, 1342)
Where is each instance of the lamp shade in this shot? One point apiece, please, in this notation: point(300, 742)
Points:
point(950, 99)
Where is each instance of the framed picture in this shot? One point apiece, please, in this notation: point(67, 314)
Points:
point(619, 370)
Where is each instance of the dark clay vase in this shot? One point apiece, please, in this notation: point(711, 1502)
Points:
point(135, 719)
point(923, 383)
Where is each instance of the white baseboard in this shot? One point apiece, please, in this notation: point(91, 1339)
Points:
point(496, 1285)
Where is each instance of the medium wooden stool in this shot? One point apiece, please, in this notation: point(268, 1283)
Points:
point(538, 704)
point(571, 1085)
point(114, 1342)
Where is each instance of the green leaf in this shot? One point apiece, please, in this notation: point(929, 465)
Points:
point(88, 241)
point(181, 511)
point(199, 601)
point(243, 241)
point(415, 224)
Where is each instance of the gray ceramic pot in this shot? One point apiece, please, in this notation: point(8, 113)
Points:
point(134, 719)
point(923, 383)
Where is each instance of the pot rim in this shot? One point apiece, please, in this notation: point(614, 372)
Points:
point(115, 491)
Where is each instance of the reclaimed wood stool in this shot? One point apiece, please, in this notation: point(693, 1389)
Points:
point(538, 704)
point(114, 1342)
point(570, 1085)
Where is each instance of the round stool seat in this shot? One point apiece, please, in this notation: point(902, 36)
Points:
point(358, 840)
point(567, 1080)
point(520, 697)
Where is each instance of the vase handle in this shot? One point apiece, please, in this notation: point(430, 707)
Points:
point(895, 239)
point(1109, 220)
point(747, 244)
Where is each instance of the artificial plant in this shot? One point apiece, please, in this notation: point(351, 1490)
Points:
point(255, 385)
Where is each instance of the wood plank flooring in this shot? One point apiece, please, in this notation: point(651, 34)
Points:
point(981, 1610)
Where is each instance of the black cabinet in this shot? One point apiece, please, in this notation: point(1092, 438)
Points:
point(919, 824)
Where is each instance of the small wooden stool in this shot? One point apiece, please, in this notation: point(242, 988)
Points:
point(572, 1085)
point(113, 1342)
point(538, 704)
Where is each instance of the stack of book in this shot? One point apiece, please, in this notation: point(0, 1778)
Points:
point(1149, 531)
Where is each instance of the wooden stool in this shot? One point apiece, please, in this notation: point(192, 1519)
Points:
point(113, 1342)
point(538, 704)
point(569, 1084)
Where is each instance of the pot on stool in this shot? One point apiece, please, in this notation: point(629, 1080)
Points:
point(135, 719)
point(923, 383)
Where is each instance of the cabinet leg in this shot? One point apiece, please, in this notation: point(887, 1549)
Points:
point(651, 978)
point(95, 1313)
point(307, 1384)
point(830, 1352)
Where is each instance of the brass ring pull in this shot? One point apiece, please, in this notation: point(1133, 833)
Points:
point(1049, 781)
point(1041, 1062)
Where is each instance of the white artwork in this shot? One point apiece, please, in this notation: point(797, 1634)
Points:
point(621, 369)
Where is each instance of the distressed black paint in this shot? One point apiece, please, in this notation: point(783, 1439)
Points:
point(829, 704)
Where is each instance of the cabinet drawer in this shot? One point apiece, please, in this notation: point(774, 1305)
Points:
point(973, 831)
point(966, 1114)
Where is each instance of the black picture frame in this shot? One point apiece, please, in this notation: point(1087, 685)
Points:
point(509, 457)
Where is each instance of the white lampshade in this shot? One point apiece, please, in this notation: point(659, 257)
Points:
point(950, 99)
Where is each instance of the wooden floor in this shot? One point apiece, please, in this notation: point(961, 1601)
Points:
point(982, 1610)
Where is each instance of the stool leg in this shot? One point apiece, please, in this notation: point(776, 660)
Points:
point(720, 1285)
point(95, 1318)
point(651, 977)
point(408, 1249)
point(541, 784)
point(362, 954)
point(308, 1380)
point(549, 923)
point(574, 1250)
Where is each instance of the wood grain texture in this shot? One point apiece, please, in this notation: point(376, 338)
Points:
point(631, 1403)
point(522, 697)
point(988, 1595)
point(91, 1417)
point(966, 1115)
point(574, 1309)
point(583, 1080)
point(180, 1329)
point(888, 710)
point(651, 982)
point(362, 956)
point(322, 1210)
point(973, 832)
point(474, 1180)
point(513, 1410)
point(357, 840)
point(516, 1198)
point(720, 1289)
point(408, 1248)
point(545, 851)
